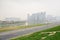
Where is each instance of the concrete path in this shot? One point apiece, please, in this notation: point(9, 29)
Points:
point(15, 33)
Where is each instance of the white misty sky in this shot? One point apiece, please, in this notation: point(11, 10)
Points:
point(20, 8)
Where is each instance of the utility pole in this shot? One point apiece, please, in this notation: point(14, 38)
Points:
point(28, 16)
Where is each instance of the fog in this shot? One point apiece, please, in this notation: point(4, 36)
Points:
point(20, 8)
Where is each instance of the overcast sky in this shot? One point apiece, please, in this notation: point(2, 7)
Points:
point(20, 8)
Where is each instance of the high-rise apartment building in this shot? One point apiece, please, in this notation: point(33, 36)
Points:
point(36, 18)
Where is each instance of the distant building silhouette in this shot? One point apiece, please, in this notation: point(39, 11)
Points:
point(51, 18)
point(12, 19)
point(37, 18)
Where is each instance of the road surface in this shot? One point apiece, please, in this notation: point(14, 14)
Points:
point(15, 33)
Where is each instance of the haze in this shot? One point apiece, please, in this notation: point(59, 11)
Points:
point(20, 8)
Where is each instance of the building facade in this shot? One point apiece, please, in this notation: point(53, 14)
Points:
point(37, 18)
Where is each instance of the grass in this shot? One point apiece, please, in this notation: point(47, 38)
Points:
point(57, 28)
point(4, 29)
point(39, 36)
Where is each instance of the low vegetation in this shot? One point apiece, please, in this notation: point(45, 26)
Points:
point(3, 29)
point(49, 34)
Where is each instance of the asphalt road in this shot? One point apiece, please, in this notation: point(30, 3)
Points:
point(15, 33)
